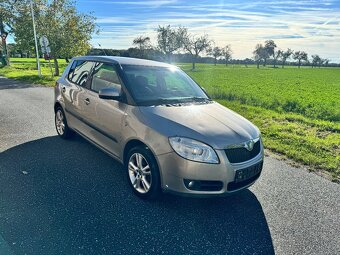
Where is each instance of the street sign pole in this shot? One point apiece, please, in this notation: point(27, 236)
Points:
point(49, 63)
point(46, 50)
point(35, 40)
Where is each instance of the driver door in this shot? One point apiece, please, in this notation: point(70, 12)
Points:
point(106, 116)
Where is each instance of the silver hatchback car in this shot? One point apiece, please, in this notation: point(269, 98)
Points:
point(163, 127)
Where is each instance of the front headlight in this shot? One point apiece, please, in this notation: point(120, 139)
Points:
point(193, 150)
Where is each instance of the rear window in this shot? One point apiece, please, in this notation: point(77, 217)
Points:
point(80, 72)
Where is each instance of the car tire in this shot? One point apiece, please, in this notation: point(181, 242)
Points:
point(61, 126)
point(143, 173)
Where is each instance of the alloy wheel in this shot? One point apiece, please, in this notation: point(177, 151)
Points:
point(59, 122)
point(139, 173)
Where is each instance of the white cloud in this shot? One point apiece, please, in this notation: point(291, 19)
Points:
point(150, 3)
point(301, 25)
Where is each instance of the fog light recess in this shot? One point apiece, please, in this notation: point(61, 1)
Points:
point(201, 185)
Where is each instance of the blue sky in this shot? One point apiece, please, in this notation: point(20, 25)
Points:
point(311, 25)
point(308, 25)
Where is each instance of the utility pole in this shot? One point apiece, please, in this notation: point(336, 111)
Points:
point(35, 40)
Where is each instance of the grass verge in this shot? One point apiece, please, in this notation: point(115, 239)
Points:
point(314, 144)
point(25, 70)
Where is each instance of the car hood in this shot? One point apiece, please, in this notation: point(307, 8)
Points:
point(210, 123)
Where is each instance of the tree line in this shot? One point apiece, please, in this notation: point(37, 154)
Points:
point(172, 40)
point(180, 45)
point(264, 52)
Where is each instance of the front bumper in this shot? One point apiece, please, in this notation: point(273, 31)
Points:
point(176, 172)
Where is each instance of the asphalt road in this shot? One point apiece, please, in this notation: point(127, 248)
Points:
point(68, 197)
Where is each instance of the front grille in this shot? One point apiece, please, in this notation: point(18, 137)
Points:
point(238, 155)
point(246, 176)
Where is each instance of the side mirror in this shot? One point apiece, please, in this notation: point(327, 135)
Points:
point(109, 93)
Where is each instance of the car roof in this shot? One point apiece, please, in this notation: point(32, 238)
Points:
point(124, 61)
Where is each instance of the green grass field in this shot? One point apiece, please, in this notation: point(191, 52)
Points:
point(314, 93)
point(24, 69)
point(297, 110)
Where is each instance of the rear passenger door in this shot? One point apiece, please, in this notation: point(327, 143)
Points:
point(106, 115)
point(74, 93)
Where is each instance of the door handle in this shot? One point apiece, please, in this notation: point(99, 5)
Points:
point(87, 101)
point(64, 89)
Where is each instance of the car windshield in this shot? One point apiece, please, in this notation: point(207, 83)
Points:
point(162, 85)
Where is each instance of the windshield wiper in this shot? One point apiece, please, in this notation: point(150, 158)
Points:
point(162, 101)
point(175, 101)
point(198, 99)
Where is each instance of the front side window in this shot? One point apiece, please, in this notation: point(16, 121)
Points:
point(159, 85)
point(80, 72)
point(104, 76)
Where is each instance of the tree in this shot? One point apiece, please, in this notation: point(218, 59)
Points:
point(316, 60)
point(227, 53)
point(216, 52)
point(143, 42)
point(68, 31)
point(326, 61)
point(260, 53)
point(247, 61)
point(321, 62)
point(17, 14)
point(23, 32)
point(286, 55)
point(170, 40)
point(269, 47)
point(195, 45)
point(12, 49)
point(277, 54)
point(7, 13)
point(299, 56)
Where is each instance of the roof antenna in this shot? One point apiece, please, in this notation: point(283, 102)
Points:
point(102, 49)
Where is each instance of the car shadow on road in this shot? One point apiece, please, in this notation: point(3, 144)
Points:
point(6, 83)
point(68, 197)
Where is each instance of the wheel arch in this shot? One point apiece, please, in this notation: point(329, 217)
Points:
point(136, 142)
point(56, 106)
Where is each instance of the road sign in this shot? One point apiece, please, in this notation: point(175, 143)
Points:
point(46, 50)
point(44, 41)
point(45, 45)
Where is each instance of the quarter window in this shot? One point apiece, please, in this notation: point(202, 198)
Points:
point(80, 72)
point(71, 72)
point(105, 76)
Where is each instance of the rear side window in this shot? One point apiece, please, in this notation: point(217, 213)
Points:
point(73, 66)
point(104, 76)
point(80, 72)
